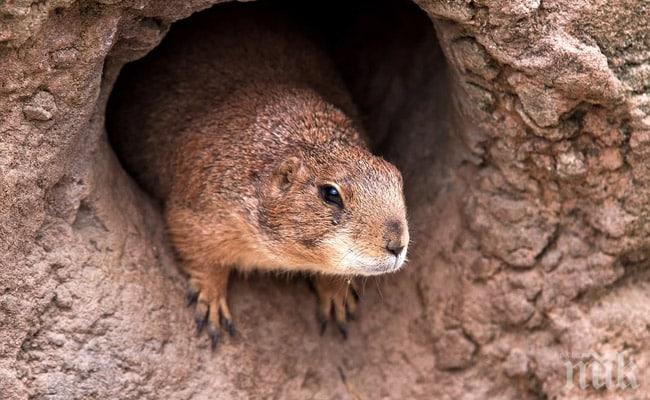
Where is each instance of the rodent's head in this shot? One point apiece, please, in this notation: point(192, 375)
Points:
point(336, 209)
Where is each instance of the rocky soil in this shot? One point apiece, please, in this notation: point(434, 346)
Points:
point(522, 128)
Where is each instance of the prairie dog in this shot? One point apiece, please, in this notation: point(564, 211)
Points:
point(241, 127)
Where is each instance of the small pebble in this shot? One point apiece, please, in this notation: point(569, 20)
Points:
point(41, 107)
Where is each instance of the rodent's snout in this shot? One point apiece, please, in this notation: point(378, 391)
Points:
point(396, 237)
point(352, 256)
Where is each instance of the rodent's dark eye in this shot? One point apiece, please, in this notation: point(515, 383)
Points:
point(331, 195)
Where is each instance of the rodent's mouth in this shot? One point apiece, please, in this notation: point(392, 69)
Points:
point(350, 258)
point(383, 266)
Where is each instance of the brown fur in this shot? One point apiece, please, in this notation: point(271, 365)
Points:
point(235, 132)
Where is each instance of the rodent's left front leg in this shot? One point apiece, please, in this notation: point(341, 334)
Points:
point(208, 290)
point(338, 298)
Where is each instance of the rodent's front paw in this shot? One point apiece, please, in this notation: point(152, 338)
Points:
point(338, 298)
point(211, 310)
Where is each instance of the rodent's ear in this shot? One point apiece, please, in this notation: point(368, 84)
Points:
point(288, 172)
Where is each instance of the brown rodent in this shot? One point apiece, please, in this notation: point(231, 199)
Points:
point(240, 125)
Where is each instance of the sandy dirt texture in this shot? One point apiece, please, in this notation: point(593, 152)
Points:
point(522, 129)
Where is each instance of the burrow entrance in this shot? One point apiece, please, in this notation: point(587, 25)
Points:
point(388, 54)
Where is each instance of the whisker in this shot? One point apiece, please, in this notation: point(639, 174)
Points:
point(381, 296)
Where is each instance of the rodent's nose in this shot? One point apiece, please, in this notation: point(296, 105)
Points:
point(395, 248)
point(394, 237)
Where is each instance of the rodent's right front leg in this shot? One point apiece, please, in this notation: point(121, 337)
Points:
point(338, 298)
point(208, 289)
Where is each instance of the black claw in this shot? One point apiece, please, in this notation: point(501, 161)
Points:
point(226, 324)
point(230, 327)
point(344, 330)
point(355, 293)
point(322, 323)
point(323, 327)
point(214, 337)
point(349, 315)
point(200, 322)
point(191, 297)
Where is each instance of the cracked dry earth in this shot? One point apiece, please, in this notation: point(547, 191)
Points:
point(522, 129)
